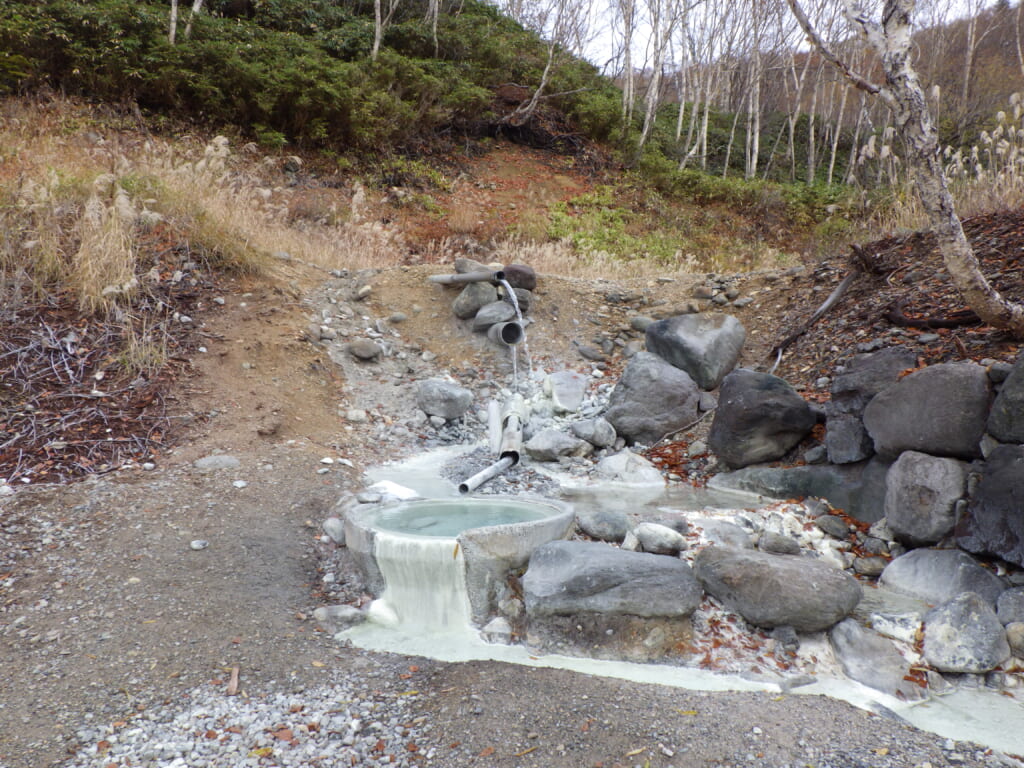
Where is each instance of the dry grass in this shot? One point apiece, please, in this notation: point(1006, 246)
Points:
point(78, 191)
point(988, 177)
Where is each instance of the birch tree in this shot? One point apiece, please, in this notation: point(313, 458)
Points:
point(383, 12)
point(172, 26)
point(890, 36)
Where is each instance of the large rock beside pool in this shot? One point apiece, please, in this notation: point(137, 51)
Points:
point(573, 577)
point(941, 410)
point(921, 496)
point(863, 377)
point(873, 660)
point(651, 400)
point(759, 418)
point(938, 575)
point(777, 590)
point(437, 397)
point(994, 523)
point(706, 346)
point(964, 635)
point(1006, 419)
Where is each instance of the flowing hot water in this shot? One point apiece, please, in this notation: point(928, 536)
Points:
point(526, 347)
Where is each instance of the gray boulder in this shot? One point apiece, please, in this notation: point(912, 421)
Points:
point(628, 467)
point(994, 523)
point(492, 314)
point(598, 432)
point(551, 444)
point(364, 349)
point(1010, 606)
point(566, 390)
point(1006, 419)
point(864, 376)
point(759, 418)
point(846, 438)
point(437, 397)
point(939, 410)
point(777, 590)
point(938, 575)
point(472, 298)
point(921, 495)
point(651, 400)
point(572, 577)
point(659, 539)
point(778, 544)
point(871, 659)
point(722, 533)
point(603, 524)
point(964, 635)
point(706, 346)
point(521, 276)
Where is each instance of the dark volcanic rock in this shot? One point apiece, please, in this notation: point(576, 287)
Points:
point(759, 418)
point(939, 410)
point(1006, 419)
point(706, 346)
point(994, 523)
point(651, 400)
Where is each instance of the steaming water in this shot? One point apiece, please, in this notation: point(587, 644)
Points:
point(443, 518)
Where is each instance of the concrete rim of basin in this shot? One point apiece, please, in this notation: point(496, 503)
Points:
point(490, 552)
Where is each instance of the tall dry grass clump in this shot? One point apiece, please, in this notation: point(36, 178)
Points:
point(987, 177)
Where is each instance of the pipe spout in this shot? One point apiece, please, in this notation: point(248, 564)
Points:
point(511, 437)
point(468, 277)
point(481, 477)
point(507, 334)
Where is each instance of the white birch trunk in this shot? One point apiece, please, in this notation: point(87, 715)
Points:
point(197, 5)
point(172, 27)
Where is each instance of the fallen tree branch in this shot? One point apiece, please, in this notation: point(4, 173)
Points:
point(830, 302)
point(894, 314)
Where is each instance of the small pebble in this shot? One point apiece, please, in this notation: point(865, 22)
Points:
point(198, 544)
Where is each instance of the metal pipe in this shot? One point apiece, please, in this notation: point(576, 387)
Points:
point(508, 334)
point(494, 425)
point(468, 277)
point(481, 477)
point(511, 437)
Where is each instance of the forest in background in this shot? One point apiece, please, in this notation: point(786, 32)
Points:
point(723, 87)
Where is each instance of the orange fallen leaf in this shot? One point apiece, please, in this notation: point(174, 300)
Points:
point(262, 752)
point(210, 734)
point(283, 734)
point(487, 752)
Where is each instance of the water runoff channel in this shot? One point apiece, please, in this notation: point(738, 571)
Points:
point(425, 608)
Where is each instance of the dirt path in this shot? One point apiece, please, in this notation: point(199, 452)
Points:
point(108, 610)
